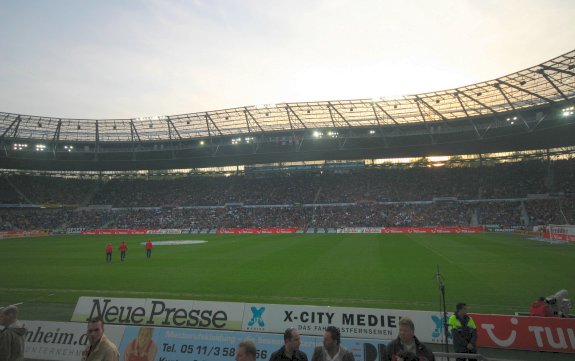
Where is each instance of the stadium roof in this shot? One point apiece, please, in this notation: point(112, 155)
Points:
point(544, 86)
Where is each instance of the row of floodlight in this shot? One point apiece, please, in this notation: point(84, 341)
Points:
point(240, 140)
point(38, 147)
point(318, 134)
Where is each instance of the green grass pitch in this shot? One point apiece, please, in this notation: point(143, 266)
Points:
point(492, 273)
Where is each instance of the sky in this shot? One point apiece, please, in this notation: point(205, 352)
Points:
point(146, 58)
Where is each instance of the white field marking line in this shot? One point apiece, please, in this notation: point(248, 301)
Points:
point(431, 249)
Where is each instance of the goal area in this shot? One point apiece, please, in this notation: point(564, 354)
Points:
point(561, 232)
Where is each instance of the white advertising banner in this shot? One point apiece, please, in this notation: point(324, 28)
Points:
point(62, 341)
point(156, 312)
point(352, 322)
point(368, 323)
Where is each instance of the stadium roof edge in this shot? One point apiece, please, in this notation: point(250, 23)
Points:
point(547, 83)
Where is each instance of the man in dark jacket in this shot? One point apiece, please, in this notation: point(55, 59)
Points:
point(290, 350)
point(11, 335)
point(406, 343)
point(463, 331)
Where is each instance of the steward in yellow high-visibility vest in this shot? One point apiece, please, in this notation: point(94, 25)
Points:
point(463, 331)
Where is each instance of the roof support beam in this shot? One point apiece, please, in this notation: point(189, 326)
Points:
point(420, 111)
point(134, 131)
point(330, 107)
point(247, 120)
point(172, 126)
point(388, 115)
point(16, 124)
point(526, 91)
point(432, 108)
point(375, 114)
point(467, 115)
point(290, 109)
point(97, 135)
point(461, 104)
point(331, 116)
point(247, 112)
point(478, 102)
point(546, 67)
point(289, 117)
point(542, 72)
point(498, 86)
point(97, 148)
point(56, 137)
point(417, 100)
point(379, 126)
point(208, 118)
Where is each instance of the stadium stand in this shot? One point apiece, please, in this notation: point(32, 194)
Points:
point(516, 194)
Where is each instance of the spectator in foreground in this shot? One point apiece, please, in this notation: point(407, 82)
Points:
point(331, 349)
point(246, 351)
point(11, 335)
point(406, 345)
point(100, 347)
point(290, 350)
point(463, 331)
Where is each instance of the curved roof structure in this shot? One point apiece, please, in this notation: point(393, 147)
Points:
point(545, 86)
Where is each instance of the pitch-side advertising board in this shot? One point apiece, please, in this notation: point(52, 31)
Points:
point(495, 331)
point(310, 320)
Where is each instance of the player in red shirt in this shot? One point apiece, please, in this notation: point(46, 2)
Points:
point(149, 247)
point(123, 248)
point(109, 252)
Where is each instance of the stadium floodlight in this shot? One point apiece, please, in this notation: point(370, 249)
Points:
point(568, 111)
point(317, 134)
point(202, 142)
point(372, 131)
point(19, 146)
point(69, 148)
point(332, 134)
point(511, 120)
point(40, 147)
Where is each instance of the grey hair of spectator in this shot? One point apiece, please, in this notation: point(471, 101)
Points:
point(11, 311)
point(406, 321)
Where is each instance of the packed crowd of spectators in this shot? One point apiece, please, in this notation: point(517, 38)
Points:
point(494, 194)
point(554, 211)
